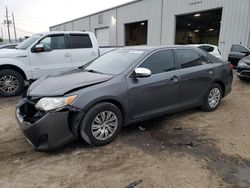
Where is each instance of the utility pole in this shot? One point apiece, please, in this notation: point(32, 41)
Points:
point(8, 26)
point(1, 32)
point(14, 26)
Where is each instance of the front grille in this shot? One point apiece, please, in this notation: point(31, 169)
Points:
point(244, 73)
point(29, 112)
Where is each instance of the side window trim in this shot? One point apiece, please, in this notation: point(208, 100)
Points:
point(175, 62)
point(51, 35)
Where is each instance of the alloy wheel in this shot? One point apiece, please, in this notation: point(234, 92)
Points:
point(104, 125)
point(214, 97)
point(9, 84)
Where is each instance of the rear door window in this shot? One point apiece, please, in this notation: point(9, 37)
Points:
point(207, 48)
point(189, 58)
point(239, 49)
point(159, 62)
point(80, 41)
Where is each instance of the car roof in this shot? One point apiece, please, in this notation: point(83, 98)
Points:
point(153, 48)
point(63, 32)
point(150, 49)
point(197, 45)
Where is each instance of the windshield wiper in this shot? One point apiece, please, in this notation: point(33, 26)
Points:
point(92, 71)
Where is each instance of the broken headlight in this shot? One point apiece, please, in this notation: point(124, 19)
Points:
point(52, 103)
point(242, 64)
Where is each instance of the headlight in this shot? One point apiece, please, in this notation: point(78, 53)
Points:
point(51, 103)
point(242, 64)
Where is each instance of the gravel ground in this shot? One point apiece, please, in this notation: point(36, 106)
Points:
point(188, 149)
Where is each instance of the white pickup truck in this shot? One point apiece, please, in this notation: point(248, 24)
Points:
point(45, 54)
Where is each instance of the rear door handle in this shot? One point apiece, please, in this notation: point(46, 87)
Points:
point(211, 72)
point(175, 78)
point(67, 54)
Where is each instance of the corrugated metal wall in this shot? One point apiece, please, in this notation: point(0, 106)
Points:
point(235, 23)
point(81, 25)
point(104, 20)
point(161, 17)
point(149, 10)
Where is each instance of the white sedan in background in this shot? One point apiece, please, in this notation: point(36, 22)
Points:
point(214, 50)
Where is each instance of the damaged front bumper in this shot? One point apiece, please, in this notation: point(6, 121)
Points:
point(243, 73)
point(45, 130)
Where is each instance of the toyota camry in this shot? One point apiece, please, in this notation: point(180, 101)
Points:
point(120, 88)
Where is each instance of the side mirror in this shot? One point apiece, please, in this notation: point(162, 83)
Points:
point(38, 48)
point(142, 72)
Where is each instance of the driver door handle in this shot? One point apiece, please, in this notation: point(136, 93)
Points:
point(175, 78)
point(67, 54)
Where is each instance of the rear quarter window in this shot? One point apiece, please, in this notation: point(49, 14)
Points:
point(80, 41)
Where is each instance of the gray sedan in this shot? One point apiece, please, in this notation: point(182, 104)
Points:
point(122, 87)
point(243, 68)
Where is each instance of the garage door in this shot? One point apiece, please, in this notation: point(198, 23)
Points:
point(102, 36)
point(199, 27)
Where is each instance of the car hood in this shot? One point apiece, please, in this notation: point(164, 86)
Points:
point(246, 59)
point(64, 83)
point(12, 53)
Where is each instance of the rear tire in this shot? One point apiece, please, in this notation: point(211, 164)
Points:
point(11, 83)
point(212, 98)
point(101, 124)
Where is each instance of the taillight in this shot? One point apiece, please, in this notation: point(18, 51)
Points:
point(231, 66)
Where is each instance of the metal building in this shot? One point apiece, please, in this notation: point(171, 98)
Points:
point(163, 22)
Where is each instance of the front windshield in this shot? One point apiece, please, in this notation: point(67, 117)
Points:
point(114, 62)
point(26, 43)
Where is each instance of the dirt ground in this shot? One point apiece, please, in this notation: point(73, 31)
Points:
point(189, 149)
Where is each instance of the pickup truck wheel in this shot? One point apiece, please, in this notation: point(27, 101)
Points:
point(212, 98)
point(11, 83)
point(101, 124)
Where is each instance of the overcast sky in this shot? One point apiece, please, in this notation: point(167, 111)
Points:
point(34, 16)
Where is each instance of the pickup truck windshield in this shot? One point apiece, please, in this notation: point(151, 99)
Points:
point(26, 43)
point(114, 62)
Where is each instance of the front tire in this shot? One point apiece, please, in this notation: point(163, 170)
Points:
point(212, 98)
point(11, 83)
point(101, 124)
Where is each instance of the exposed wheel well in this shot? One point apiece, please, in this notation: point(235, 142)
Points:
point(76, 117)
point(222, 85)
point(12, 67)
